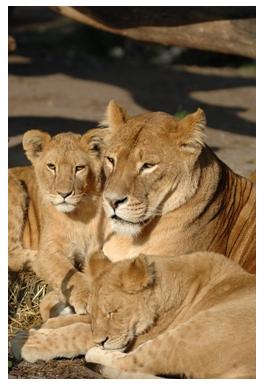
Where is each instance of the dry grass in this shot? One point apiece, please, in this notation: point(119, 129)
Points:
point(25, 292)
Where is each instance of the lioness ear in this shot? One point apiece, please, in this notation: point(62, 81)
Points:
point(191, 132)
point(97, 264)
point(94, 140)
point(138, 275)
point(115, 115)
point(34, 142)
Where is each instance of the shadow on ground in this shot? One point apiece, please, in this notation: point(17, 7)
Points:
point(66, 49)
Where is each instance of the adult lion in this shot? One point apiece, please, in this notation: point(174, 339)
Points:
point(166, 191)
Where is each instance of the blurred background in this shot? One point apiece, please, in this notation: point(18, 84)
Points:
point(62, 73)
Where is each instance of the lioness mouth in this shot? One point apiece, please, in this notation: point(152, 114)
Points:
point(115, 217)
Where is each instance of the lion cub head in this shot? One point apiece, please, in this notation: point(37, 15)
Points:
point(151, 164)
point(119, 303)
point(67, 166)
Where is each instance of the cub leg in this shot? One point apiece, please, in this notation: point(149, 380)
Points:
point(66, 320)
point(61, 274)
point(46, 344)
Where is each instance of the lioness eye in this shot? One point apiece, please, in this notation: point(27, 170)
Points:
point(51, 166)
point(111, 160)
point(146, 166)
point(79, 168)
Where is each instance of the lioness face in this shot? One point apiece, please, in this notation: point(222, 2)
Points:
point(64, 167)
point(119, 303)
point(151, 167)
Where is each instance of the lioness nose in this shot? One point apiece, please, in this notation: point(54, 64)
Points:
point(64, 194)
point(115, 201)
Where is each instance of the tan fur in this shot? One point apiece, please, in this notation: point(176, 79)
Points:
point(192, 315)
point(23, 220)
point(59, 229)
point(171, 194)
point(196, 316)
point(188, 201)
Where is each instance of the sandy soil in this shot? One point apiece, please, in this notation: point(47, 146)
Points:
point(55, 86)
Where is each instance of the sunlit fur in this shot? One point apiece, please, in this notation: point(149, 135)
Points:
point(166, 191)
point(157, 169)
point(192, 315)
point(64, 178)
point(65, 228)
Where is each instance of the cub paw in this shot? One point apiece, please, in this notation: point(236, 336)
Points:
point(18, 343)
point(80, 301)
point(95, 355)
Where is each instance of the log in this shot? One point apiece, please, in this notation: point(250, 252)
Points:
point(229, 30)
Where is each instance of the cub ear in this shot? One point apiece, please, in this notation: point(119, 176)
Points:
point(94, 140)
point(97, 264)
point(137, 275)
point(191, 137)
point(115, 115)
point(34, 142)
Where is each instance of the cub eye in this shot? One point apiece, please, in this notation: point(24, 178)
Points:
point(110, 159)
point(51, 166)
point(79, 168)
point(147, 165)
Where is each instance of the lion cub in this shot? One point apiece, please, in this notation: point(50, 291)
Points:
point(192, 315)
point(59, 195)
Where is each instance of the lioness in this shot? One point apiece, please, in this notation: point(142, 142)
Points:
point(192, 315)
point(167, 193)
point(58, 198)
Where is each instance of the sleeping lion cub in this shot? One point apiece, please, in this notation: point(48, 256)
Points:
point(192, 315)
point(53, 210)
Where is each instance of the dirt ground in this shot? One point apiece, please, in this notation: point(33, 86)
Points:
point(61, 79)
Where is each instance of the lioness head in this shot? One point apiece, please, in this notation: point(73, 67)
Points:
point(151, 165)
point(119, 302)
point(67, 166)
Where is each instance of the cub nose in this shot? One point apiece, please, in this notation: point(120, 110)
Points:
point(64, 194)
point(115, 200)
point(101, 341)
